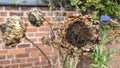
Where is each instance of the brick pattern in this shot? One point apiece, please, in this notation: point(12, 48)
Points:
point(25, 55)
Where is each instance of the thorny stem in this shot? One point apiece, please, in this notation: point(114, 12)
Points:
point(65, 61)
point(39, 50)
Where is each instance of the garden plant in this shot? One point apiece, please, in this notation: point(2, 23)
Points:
point(85, 33)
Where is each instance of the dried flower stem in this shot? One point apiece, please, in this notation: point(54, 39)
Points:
point(51, 30)
point(39, 50)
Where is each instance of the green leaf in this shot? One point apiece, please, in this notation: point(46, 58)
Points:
point(95, 15)
point(52, 6)
point(73, 2)
point(100, 6)
point(83, 8)
point(104, 59)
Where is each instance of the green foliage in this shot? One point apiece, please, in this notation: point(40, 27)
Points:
point(95, 15)
point(100, 59)
point(71, 62)
point(74, 2)
point(104, 7)
point(52, 6)
point(102, 55)
point(15, 2)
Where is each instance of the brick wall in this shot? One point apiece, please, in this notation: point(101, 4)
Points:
point(25, 54)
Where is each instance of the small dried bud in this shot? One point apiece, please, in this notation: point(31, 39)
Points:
point(36, 17)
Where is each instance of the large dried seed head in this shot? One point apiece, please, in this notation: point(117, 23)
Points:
point(79, 35)
point(36, 17)
point(14, 31)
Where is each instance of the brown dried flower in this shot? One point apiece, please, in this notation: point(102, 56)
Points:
point(79, 35)
point(13, 31)
point(36, 17)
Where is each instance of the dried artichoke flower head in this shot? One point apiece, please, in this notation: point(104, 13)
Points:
point(36, 17)
point(14, 31)
point(79, 35)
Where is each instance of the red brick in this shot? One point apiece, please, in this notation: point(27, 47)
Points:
point(37, 67)
point(40, 54)
point(43, 58)
point(26, 8)
point(44, 8)
point(27, 50)
point(16, 13)
point(33, 59)
point(10, 56)
point(33, 54)
point(18, 60)
point(44, 29)
point(1, 7)
point(3, 52)
point(2, 19)
point(49, 14)
point(3, 13)
point(39, 63)
point(47, 48)
point(2, 57)
point(22, 55)
point(14, 66)
point(30, 34)
point(26, 65)
point(48, 18)
point(11, 66)
point(31, 29)
point(33, 39)
point(44, 63)
point(114, 62)
point(7, 66)
point(41, 34)
point(47, 52)
point(57, 19)
point(24, 46)
point(16, 51)
point(2, 62)
point(11, 8)
point(1, 66)
point(46, 66)
point(40, 44)
point(0, 40)
point(46, 24)
point(8, 47)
